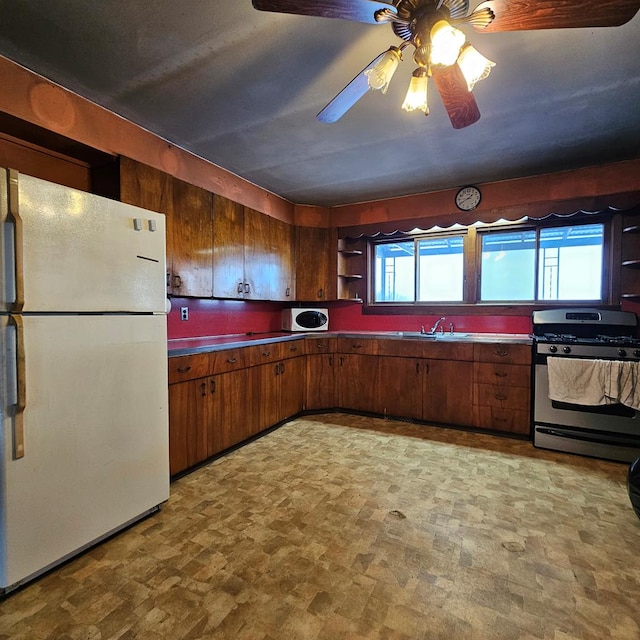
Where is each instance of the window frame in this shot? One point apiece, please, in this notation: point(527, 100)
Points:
point(472, 248)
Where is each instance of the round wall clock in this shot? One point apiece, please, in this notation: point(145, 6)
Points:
point(468, 198)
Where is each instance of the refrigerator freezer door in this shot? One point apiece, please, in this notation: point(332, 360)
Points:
point(79, 252)
point(96, 435)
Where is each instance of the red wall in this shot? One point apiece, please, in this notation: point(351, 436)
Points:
point(224, 317)
point(349, 316)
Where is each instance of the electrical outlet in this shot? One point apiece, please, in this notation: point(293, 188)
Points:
point(184, 313)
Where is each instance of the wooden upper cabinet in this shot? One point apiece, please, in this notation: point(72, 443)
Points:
point(192, 241)
point(282, 251)
point(257, 256)
point(228, 248)
point(188, 211)
point(252, 257)
point(316, 266)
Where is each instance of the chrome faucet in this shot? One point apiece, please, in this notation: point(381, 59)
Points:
point(436, 325)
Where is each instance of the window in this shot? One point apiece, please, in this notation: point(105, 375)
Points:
point(437, 275)
point(569, 264)
point(517, 264)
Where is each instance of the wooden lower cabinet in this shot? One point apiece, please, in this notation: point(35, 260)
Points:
point(277, 392)
point(187, 424)
point(448, 392)
point(502, 388)
point(320, 390)
point(357, 381)
point(206, 416)
point(400, 388)
point(251, 389)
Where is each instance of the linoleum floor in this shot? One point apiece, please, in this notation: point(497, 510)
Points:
point(344, 527)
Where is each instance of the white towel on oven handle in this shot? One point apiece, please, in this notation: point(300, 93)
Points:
point(627, 380)
point(582, 381)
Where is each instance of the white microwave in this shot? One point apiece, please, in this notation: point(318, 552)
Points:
point(305, 319)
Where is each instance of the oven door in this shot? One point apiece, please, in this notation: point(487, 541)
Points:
point(609, 431)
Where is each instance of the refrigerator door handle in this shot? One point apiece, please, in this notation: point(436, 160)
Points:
point(21, 403)
point(14, 217)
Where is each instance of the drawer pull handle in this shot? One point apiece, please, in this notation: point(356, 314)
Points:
point(203, 389)
point(502, 351)
point(500, 396)
point(184, 369)
point(501, 374)
point(293, 348)
point(356, 346)
point(266, 354)
point(232, 360)
point(212, 384)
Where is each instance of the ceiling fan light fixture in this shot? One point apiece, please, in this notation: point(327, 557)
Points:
point(416, 97)
point(379, 76)
point(474, 65)
point(446, 43)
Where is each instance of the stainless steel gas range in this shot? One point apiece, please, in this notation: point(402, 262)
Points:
point(577, 379)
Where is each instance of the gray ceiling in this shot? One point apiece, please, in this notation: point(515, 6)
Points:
point(242, 87)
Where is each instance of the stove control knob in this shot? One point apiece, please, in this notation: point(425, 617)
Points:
point(622, 353)
point(636, 353)
point(553, 348)
point(566, 349)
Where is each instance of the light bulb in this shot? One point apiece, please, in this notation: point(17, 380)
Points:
point(416, 97)
point(474, 66)
point(379, 76)
point(446, 42)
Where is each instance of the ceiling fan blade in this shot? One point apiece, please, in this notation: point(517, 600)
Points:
point(348, 96)
point(356, 10)
point(521, 15)
point(456, 97)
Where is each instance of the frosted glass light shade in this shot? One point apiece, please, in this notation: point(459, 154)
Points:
point(416, 97)
point(474, 66)
point(446, 42)
point(379, 76)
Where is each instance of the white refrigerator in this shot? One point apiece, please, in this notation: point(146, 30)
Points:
point(83, 372)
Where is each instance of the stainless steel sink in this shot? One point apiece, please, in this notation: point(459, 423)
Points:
point(433, 336)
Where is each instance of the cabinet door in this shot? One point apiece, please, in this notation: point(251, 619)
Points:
point(281, 260)
point(357, 381)
point(448, 392)
point(321, 381)
point(400, 386)
point(151, 189)
point(316, 264)
point(192, 241)
point(264, 382)
point(292, 387)
point(230, 418)
point(257, 256)
point(228, 248)
point(187, 424)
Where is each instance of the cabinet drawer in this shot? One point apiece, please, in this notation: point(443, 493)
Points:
point(447, 350)
point(401, 348)
point(503, 397)
point(183, 368)
point(263, 353)
point(501, 352)
point(319, 345)
point(361, 346)
point(512, 421)
point(293, 348)
point(229, 359)
point(504, 375)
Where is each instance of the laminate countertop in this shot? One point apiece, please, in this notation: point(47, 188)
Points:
point(188, 346)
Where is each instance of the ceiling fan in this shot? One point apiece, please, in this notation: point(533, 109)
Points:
point(440, 48)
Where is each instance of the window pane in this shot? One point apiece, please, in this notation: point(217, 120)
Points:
point(441, 269)
point(570, 263)
point(395, 272)
point(508, 266)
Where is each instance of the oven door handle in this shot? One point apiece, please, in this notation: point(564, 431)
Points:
point(626, 442)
